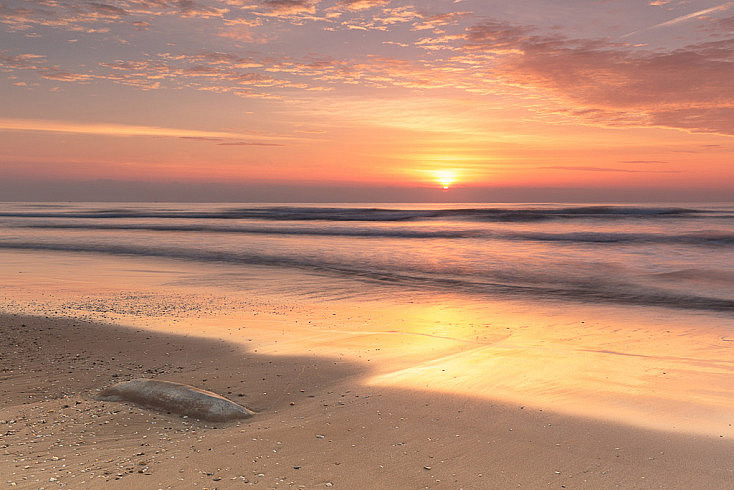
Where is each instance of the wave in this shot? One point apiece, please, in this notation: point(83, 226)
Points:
point(703, 238)
point(584, 291)
point(349, 232)
point(287, 213)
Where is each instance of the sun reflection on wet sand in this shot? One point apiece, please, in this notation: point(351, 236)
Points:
point(657, 373)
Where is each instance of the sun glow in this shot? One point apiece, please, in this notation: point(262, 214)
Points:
point(445, 177)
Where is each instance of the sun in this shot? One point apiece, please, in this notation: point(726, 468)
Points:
point(445, 178)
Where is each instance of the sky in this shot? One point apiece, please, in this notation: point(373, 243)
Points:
point(368, 100)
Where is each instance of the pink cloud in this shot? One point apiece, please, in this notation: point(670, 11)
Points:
point(707, 120)
point(64, 76)
point(724, 26)
point(19, 61)
point(249, 143)
point(75, 16)
point(34, 63)
point(439, 20)
point(141, 25)
point(609, 169)
point(290, 7)
point(103, 9)
point(362, 4)
point(688, 88)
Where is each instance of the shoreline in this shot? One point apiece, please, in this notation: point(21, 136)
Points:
point(317, 424)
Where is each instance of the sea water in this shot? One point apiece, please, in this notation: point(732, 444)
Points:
point(677, 256)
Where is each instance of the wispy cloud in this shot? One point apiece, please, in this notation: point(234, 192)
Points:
point(106, 129)
point(101, 18)
point(609, 169)
point(291, 6)
point(610, 83)
point(683, 18)
point(249, 143)
point(362, 4)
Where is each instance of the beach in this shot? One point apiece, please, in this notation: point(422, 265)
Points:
point(425, 353)
point(367, 244)
point(317, 425)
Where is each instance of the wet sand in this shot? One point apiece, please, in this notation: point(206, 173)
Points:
point(319, 424)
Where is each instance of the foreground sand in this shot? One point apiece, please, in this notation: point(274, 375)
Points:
point(318, 425)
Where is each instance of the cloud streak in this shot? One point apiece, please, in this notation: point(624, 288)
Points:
point(104, 129)
point(683, 18)
point(608, 169)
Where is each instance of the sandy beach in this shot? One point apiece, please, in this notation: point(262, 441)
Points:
point(318, 425)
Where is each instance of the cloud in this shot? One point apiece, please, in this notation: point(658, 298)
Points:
point(684, 18)
point(593, 81)
point(183, 8)
point(104, 9)
point(141, 25)
point(439, 20)
point(290, 7)
point(227, 72)
point(609, 169)
point(209, 71)
point(688, 88)
point(724, 26)
point(701, 120)
point(497, 35)
point(19, 61)
point(362, 4)
point(64, 76)
point(249, 143)
point(33, 62)
point(109, 129)
point(397, 15)
point(200, 138)
point(78, 15)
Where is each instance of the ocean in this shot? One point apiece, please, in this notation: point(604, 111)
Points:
point(674, 256)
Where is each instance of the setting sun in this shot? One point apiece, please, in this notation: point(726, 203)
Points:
point(445, 177)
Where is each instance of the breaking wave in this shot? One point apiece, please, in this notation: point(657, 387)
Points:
point(289, 213)
point(590, 290)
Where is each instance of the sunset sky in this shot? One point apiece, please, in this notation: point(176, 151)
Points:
point(374, 99)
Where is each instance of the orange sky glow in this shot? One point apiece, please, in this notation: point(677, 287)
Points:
point(438, 94)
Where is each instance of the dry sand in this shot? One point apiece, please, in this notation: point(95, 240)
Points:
point(318, 425)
